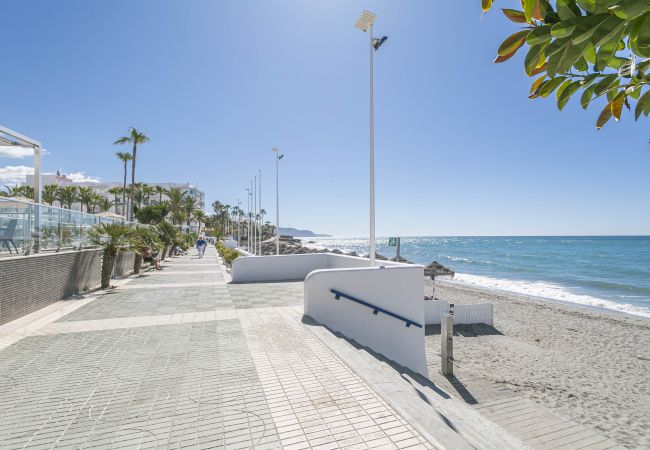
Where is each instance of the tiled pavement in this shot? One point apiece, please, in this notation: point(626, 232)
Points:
point(179, 358)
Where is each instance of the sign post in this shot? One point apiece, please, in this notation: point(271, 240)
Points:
point(395, 242)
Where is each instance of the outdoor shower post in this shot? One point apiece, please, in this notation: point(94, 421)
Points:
point(447, 342)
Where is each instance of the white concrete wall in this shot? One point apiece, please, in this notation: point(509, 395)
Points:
point(295, 267)
point(463, 314)
point(252, 269)
point(397, 288)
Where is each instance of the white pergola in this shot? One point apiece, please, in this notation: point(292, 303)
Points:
point(10, 138)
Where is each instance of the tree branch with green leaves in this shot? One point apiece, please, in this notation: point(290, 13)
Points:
point(598, 47)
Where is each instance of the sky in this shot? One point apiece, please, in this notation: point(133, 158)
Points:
point(460, 149)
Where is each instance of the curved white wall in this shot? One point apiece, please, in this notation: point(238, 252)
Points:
point(251, 269)
point(397, 289)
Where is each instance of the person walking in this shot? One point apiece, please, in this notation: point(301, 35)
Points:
point(201, 244)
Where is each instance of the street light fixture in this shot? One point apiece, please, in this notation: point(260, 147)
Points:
point(365, 24)
point(278, 157)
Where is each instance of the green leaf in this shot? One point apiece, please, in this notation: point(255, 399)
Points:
point(514, 16)
point(564, 9)
point(539, 35)
point(585, 99)
point(587, 26)
point(587, 5)
point(604, 117)
point(562, 61)
point(643, 37)
point(612, 90)
point(549, 86)
point(564, 28)
point(581, 64)
point(605, 54)
point(566, 94)
point(629, 9)
point(642, 106)
point(529, 9)
point(513, 42)
point(609, 31)
point(590, 53)
point(602, 85)
point(533, 57)
point(556, 46)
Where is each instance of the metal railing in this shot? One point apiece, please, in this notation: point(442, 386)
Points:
point(375, 309)
point(27, 228)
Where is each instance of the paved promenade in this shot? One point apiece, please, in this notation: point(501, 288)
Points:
point(179, 358)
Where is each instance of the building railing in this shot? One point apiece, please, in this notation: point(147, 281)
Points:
point(27, 228)
point(375, 309)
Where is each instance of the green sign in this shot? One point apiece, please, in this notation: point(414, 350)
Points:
point(392, 242)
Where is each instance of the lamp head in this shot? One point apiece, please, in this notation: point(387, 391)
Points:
point(377, 42)
point(281, 156)
point(365, 21)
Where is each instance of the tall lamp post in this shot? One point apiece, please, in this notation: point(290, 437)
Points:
point(278, 157)
point(248, 228)
point(260, 219)
point(365, 24)
point(238, 223)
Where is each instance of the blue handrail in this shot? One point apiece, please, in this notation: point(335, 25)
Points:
point(375, 309)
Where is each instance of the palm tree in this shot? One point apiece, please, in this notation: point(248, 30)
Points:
point(66, 195)
point(134, 138)
point(160, 190)
point(113, 238)
point(104, 204)
point(147, 191)
point(176, 196)
point(125, 158)
point(189, 205)
point(115, 191)
point(48, 194)
point(199, 216)
point(20, 191)
point(86, 197)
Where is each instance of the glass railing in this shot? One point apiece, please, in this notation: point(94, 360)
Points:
point(27, 228)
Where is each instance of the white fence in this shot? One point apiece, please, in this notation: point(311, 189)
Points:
point(463, 314)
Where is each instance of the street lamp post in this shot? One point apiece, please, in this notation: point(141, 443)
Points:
point(278, 157)
point(260, 218)
point(238, 223)
point(248, 212)
point(365, 24)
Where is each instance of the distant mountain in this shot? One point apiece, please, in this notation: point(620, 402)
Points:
point(300, 233)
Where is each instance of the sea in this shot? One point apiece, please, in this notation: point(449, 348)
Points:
point(611, 272)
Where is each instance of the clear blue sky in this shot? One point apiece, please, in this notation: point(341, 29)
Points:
point(460, 148)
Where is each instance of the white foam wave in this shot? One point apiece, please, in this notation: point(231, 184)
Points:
point(549, 291)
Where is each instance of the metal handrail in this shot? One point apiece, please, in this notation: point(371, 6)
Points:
point(376, 309)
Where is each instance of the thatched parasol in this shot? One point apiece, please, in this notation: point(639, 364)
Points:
point(435, 269)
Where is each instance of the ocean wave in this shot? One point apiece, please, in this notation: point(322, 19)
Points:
point(548, 291)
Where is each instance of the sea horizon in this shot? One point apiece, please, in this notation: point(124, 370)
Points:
point(602, 271)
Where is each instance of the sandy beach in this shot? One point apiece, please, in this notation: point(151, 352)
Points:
point(583, 364)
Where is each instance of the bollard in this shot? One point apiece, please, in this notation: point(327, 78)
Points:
point(447, 342)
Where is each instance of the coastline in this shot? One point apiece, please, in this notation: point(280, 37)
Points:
point(537, 298)
point(586, 364)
